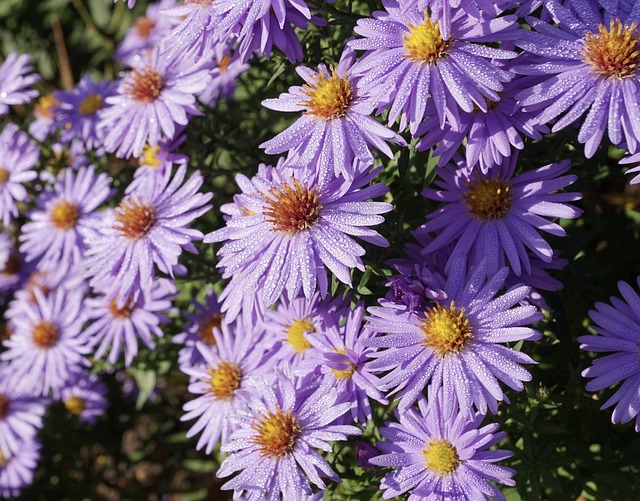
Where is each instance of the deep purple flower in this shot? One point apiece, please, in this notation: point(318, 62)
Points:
point(498, 215)
point(590, 61)
point(413, 54)
point(231, 365)
point(152, 99)
point(457, 343)
point(116, 327)
point(634, 160)
point(223, 75)
point(280, 427)
point(442, 454)
point(335, 127)
point(17, 470)
point(618, 326)
point(48, 342)
point(149, 227)
point(285, 227)
point(19, 156)
point(85, 396)
point(20, 414)
point(78, 111)
point(14, 80)
point(11, 264)
point(56, 230)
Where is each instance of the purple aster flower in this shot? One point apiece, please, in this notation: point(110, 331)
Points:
point(44, 125)
point(157, 161)
point(151, 100)
point(117, 326)
point(499, 214)
point(223, 75)
point(442, 454)
point(285, 227)
point(590, 61)
point(195, 33)
point(11, 264)
point(364, 452)
point(56, 230)
point(634, 160)
point(146, 33)
point(200, 327)
point(149, 227)
point(20, 415)
point(345, 358)
point(19, 157)
point(85, 396)
point(335, 127)
point(232, 365)
point(489, 136)
point(457, 343)
point(48, 342)
point(292, 324)
point(17, 470)
point(14, 80)
point(78, 110)
point(412, 54)
point(618, 326)
point(280, 427)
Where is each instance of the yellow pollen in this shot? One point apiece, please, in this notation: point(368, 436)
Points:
point(44, 106)
point(144, 84)
point(277, 433)
point(149, 156)
point(292, 208)
point(134, 219)
point(424, 43)
point(143, 26)
point(225, 380)
point(224, 63)
point(123, 311)
point(206, 326)
point(45, 334)
point(3, 460)
point(91, 104)
point(4, 175)
point(75, 405)
point(488, 199)
point(4, 406)
point(328, 97)
point(64, 215)
point(613, 52)
point(441, 457)
point(446, 331)
point(347, 373)
point(295, 334)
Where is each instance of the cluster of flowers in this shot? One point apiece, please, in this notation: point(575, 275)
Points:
point(279, 367)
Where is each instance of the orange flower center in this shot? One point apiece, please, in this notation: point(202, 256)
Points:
point(277, 433)
point(206, 326)
point(224, 63)
point(4, 176)
point(64, 215)
point(44, 106)
point(613, 52)
point(134, 219)
point(123, 311)
point(45, 335)
point(446, 331)
point(225, 380)
point(12, 265)
point(488, 199)
point(292, 208)
point(424, 43)
point(328, 97)
point(143, 26)
point(4, 406)
point(144, 85)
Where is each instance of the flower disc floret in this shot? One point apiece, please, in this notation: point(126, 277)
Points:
point(441, 457)
point(134, 218)
point(64, 215)
point(292, 207)
point(296, 334)
point(45, 335)
point(225, 380)
point(90, 104)
point(4, 175)
point(613, 52)
point(75, 405)
point(447, 330)
point(144, 85)
point(277, 432)
point(424, 43)
point(4, 405)
point(488, 198)
point(328, 96)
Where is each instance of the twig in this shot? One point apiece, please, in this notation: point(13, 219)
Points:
point(66, 76)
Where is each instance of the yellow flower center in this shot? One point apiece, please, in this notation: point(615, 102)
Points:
point(3, 460)
point(4, 406)
point(45, 334)
point(295, 334)
point(424, 43)
point(613, 52)
point(446, 331)
point(225, 380)
point(292, 208)
point(64, 215)
point(441, 457)
point(134, 219)
point(44, 106)
point(4, 175)
point(91, 104)
point(150, 156)
point(328, 97)
point(488, 199)
point(347, 373)
point(144, 85)
point(75, 405)
point(277, 433)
